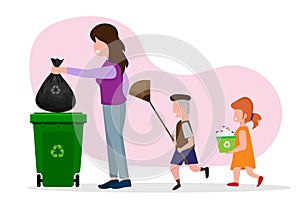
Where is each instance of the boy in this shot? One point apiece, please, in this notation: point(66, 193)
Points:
point(185, 145)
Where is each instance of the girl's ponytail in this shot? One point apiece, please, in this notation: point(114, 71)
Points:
point(256, 118)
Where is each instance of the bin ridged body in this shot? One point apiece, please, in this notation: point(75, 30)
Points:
point(58, 146)
point(226, 143)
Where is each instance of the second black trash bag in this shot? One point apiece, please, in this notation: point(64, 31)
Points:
point(55, 95)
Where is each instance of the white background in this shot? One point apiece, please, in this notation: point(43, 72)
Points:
point(261, 35)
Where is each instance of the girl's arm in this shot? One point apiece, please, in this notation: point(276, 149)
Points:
point(106, 72)
point(243, 142)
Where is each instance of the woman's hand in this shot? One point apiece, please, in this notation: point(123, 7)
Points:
point(58, 70)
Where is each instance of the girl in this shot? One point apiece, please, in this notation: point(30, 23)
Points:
point(109, 77)
point(243, 156)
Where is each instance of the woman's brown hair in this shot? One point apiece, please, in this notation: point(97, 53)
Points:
point(109, 35)
point(246, 105)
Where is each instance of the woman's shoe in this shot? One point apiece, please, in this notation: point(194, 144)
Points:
point(121, 184)
point(260, 179)
point(108, 184)
point(233, 184)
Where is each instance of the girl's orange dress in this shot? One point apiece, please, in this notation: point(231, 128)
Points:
point(246, 157)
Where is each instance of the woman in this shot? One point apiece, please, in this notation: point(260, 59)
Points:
point(243, 156)
point(110, 79)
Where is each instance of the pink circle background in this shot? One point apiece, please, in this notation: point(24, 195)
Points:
point(69, 39)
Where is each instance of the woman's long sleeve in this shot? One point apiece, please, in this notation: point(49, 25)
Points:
point(106, 72)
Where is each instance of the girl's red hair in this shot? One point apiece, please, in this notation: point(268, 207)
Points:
point(246, 105)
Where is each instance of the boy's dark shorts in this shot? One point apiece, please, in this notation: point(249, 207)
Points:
point(189, 154)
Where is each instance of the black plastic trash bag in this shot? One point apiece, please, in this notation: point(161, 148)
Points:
point(55, 95)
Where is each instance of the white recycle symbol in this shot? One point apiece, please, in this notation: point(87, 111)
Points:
point(55, 90)
point(226, 144)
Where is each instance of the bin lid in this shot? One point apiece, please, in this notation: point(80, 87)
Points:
point(58, 118)
point(232, 136)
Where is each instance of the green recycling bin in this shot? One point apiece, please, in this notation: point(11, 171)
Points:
point(226, 143)
point(58, 141)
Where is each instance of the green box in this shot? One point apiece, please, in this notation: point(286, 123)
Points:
point(58, 140)
point(226, 143)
